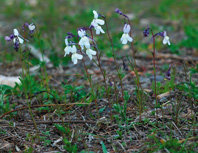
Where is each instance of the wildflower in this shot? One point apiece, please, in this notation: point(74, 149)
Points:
point(9, 38)
point(164, 35)
point(67, 48)
point(168, 73)
point(166, 39)
point(84, 41)
point(75, 56)
point(17, 37)
point(125, 36)
point(31, 27)
point(97, 22)
point(117, 10)
point(146, 32)
point(16, 45)
point(90, 53)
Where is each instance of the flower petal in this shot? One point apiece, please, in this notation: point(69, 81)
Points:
point(15, 31)
point(81, 33)
point(73, 49)
point(66, 42)
point(95, 14)
point(100, 21)
point(130, 39)
point(126, 28)
point(20, 40)
point(67, 50)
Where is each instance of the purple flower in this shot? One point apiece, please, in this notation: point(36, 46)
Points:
point(17, 39)
point(117, 10)
point(146, 31)
point(159, 34)
point(9, 38)
point(168, 73)
point(25, 25)
point(69, 35)
point(16, 45)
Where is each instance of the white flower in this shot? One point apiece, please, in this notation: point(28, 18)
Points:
point(81, 33)
point(84, 41)
point(90, 53)
point(67, 50)
point(99, 29)
point(31, 27)
point(75, 57)
point(17, 36)
point(72, 49)
point(125, 36)
point(97, 22)
point(166, 39)
point(66, 42)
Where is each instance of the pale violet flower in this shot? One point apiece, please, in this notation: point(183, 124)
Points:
point(17, 37)
point(84, 41)
point(90, 53)
point(72, 49)
point(125, 36)
point(75, 56)
point(166, 39)
point(31, 27)
point(97, 22)
point(69, 49)
point(98, 29)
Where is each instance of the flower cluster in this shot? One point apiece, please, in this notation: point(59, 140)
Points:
point(31, 27)
point(163, 34)
point(96, 23)
point(125, 36)
point(17, 39)
point(71, 48)
point(84, 43)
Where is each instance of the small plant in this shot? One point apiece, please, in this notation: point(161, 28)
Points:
point(169, 145)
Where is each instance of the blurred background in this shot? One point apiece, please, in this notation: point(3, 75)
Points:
point(54, 18)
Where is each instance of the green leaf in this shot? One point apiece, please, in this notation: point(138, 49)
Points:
point(104, 149)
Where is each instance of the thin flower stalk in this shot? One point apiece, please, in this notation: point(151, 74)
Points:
point(100, 67)
point(128, 30)
point(154, 70)
point(114, 56)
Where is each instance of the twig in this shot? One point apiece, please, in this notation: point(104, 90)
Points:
point(52, 122)
point(37, 106)
point(169, 56)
